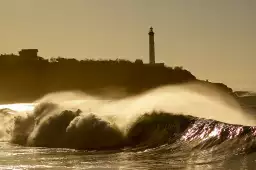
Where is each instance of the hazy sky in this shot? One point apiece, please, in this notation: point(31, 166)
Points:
point(214, 39)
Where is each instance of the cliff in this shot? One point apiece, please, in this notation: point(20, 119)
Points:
point(24, 79)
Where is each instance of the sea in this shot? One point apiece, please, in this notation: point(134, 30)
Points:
point(186, 127)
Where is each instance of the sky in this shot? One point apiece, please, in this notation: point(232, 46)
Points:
point(213, 39)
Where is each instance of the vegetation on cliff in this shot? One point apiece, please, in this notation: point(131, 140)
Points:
point(24, 79)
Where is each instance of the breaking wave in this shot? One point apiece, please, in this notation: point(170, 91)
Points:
point(168, 118)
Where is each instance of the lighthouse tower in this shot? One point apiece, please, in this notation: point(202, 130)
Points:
point(151, 46)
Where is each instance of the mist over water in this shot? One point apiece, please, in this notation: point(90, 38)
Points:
point(189, 99)
point(75, 107)
point(169, 122)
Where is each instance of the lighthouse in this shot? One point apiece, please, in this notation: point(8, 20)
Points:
point(151, 46)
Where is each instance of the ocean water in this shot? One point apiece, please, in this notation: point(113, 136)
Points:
point(173, 127)
point(18, 157)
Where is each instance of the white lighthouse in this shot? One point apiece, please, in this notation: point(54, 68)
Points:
point(151, 46)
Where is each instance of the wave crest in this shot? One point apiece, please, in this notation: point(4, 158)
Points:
point(154, 129)
point(52, 126)
point(145, 121)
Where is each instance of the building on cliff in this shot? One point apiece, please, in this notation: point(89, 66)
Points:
point(152, 60)
point(28, 53)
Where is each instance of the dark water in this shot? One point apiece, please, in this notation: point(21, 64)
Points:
point(55, 137)
point(18, 157)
